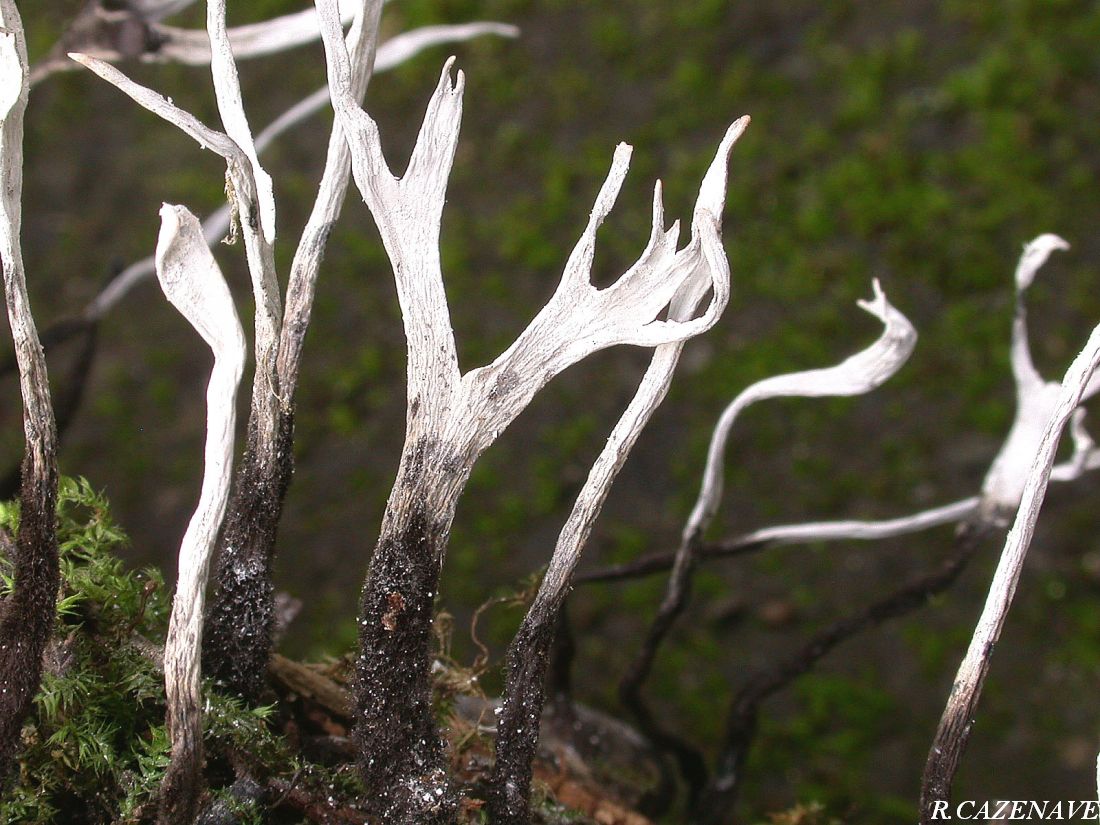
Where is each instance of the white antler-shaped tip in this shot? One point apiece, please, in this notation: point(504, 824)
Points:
point(1034, 256)
point(877, 305)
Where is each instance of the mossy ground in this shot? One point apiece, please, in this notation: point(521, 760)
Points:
point(96, 747)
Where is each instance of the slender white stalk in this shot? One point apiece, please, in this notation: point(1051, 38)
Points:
point(194, 284)
point(161, 106)
point(256, 207)
point(858, 374)
point(391, 54)
point(245, 199)
point(361, 44)
point(810, 532)
point(33, 380)
point(955, 724)
point(227, 90)
point(1035, 398)
point(651, 391)
point(27, 620)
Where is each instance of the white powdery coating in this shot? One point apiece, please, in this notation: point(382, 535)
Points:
point(858, 374)
point(194, 284)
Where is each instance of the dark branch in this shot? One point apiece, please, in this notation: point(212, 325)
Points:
point(721, 791)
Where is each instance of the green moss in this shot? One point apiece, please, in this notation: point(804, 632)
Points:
point(96, 741)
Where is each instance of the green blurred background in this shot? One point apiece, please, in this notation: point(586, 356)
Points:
point(918, 142)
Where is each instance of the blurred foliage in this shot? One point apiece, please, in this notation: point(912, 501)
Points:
point(919, 142)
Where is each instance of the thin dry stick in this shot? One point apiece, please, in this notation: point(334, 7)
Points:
point(958, 715)
point(27, 621)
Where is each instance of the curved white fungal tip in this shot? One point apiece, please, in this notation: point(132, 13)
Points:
point(193, 283)
point(712, 191)
point(445, 82)
point(609, 192)
point(1035, 254)
point(877, 305)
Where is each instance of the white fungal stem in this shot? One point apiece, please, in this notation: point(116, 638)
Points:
point(858, 374)
point(528, 655)
point(579, 319)
point(194, 284)
point(863, 530)
point(361, 43)
point(246, 196)
point(33, 381)
point(453, 417)
point(255, 196)
point(1035, 398)
point(654, 385)
point(27, 620)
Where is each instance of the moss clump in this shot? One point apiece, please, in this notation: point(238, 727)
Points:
point(95, 747)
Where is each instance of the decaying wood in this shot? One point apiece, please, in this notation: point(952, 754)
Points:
point(28, 615)
point(194, 284)
point(308, 683)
